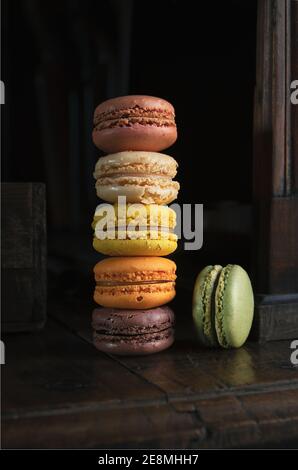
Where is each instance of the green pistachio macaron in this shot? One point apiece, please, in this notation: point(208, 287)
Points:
point(202, 305)
point(223, 306)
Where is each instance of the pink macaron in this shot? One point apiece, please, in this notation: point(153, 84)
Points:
point(134, 122)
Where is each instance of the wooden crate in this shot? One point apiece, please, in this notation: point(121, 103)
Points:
point(23, 265)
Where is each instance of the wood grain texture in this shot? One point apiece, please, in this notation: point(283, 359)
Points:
point(23, 262)
point(276, 246)
point(276, 317)
point(59, 370)
point(271, 126)
point(152, 426)
point(275, 157)
point(189, 370)
point(294, 108)
point(241, 421)
point(283, 246)
point(62, 392)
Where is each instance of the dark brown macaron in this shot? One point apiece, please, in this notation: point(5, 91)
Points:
point(133, 332)
point(134, 122)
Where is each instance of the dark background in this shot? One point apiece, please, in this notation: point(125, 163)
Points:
point(61, 58)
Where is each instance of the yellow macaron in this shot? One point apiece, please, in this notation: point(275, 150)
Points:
point(134, 230)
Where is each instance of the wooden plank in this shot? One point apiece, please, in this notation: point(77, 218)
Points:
point(218, 422)
point(276, 416)
point(255, 420)
point(56, 370)
point(252, 420)
point(23, 261)
point(275, 204)
point(183, 397)
point(186, 370)
point(157, 426)
point(280, 86)
point(226, 421)
point(276, 317)
point(288, 114)
point(276, 246)
point(198, 373)
point(283, 248)
point(17, 218)
point(271, 127)
point(294, 108)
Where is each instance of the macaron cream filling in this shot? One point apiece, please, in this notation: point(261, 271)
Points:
point(208, 301)
point(134, 111)
point(128, 122)
point(133, 115)
point(138, 290)
point(212, 300)
point(128, 283)
point(148, 275)
point(134, 174)
point(133, 191)
point(140, 336)
point(137, 330)
point(141, 180)
point(139, 234)
point(222, 282)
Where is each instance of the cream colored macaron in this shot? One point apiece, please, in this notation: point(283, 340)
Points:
point(144, 177)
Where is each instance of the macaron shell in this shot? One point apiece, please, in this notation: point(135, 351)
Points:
point(203, 311)
point(234, 305)
point(134, 247)
point(136, 298)
point(133, 346)
point(135, 268)
point(136, 137)
point(131, 101)
point(132, 322)
point(146, 190)
point(130, 162)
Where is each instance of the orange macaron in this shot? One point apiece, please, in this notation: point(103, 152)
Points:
point(134, 282)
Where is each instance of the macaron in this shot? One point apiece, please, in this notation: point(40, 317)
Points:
point(134, 282)
point(133, 332)
point(134, 230)
point(134, 122)
point(223, 306)
point(140, 176)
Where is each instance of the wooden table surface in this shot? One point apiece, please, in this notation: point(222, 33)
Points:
point(59, 391)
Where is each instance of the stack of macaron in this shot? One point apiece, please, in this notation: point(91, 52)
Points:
point(134, 226)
